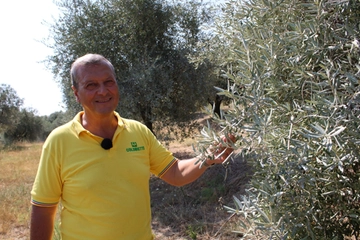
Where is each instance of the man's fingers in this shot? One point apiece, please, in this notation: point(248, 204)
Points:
point(223, 153)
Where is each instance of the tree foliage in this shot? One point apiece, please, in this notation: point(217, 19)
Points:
point(53, 121)
point(10, 104)
point(23, 124)
point(294, 80)
point(147, 41)
point(28, 127)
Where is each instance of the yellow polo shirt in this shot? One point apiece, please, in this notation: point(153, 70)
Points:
point(104, 193)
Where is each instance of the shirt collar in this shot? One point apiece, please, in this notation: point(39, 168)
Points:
point(78, 127)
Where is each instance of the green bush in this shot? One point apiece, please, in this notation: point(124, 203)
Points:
point(294, 73)
point(26, 127)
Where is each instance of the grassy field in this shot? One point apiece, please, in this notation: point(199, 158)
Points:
point(17, 171)
point(191, 212)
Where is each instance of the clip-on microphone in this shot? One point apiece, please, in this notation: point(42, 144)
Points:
point(106, 144)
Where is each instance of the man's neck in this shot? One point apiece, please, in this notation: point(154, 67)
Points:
point(102, 126)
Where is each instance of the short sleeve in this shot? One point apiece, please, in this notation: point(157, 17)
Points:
point(46, 190)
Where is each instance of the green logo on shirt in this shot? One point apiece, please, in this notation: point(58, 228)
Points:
point(135, 148)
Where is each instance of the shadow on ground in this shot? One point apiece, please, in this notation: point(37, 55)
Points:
point(196, 211)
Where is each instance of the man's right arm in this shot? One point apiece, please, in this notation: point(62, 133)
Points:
point(42, 222)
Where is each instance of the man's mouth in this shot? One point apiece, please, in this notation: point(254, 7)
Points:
point(103, 100)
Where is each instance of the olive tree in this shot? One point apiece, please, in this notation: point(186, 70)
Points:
point(29, 127)
point(294, 79)
point(16, 122)
point(148, 42)
point(10, 104)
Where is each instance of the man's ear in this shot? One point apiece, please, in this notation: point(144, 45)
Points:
point(75, 93)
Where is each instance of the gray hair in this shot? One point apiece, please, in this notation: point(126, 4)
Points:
point(87, 60)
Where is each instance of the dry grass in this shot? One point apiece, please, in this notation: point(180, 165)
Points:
point(17, 171)
point(191, 212)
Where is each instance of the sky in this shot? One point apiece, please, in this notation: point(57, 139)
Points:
point(21, 53)
point(21, 29)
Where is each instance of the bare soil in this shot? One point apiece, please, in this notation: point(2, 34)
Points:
point(196, 211)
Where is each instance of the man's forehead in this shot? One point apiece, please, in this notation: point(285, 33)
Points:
point(87, 71)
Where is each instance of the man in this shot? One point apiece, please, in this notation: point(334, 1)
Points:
point(99, 166)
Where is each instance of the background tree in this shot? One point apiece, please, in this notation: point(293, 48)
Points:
point(54, 120)
point(148, 42)
point(293, 69)
point(10, 104)
point(29, 127)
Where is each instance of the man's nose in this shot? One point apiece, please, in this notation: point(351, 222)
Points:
point(102, 89)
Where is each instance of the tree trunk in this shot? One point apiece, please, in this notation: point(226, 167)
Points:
point(146, 117)
point(216, 105)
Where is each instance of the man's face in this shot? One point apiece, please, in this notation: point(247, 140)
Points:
point(97, 90)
